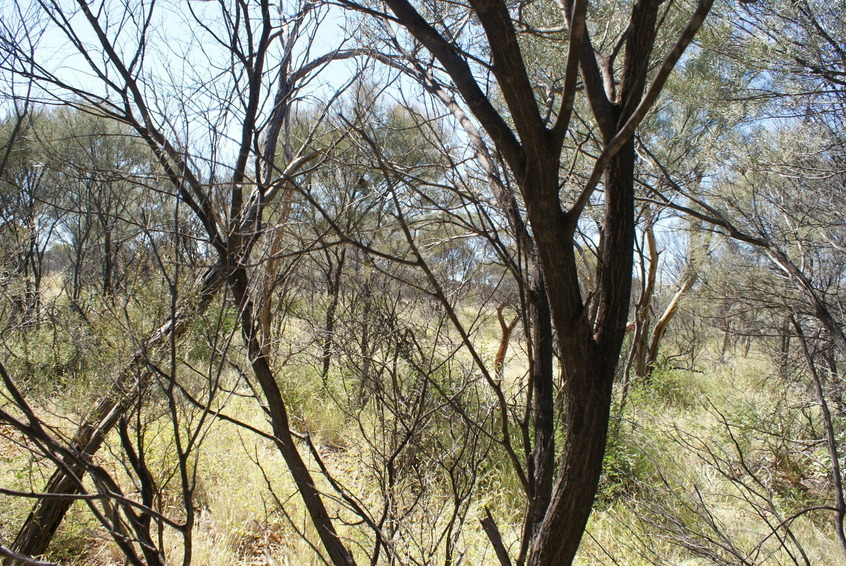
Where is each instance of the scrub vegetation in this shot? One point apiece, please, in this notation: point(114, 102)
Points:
point(511, 283)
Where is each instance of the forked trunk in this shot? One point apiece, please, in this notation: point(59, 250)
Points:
point(590, 351)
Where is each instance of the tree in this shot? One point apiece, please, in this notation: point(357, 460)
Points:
point(24, 226)
point(497, 93)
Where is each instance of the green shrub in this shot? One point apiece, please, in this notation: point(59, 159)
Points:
point(668, 386)
point(629, 467)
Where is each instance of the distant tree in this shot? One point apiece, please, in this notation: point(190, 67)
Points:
point(25, 226)
point(100, 169)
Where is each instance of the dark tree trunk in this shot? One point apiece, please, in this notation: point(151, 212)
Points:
point(541, 379)
point(334, 289)
point(311, 496)
point(590, 360)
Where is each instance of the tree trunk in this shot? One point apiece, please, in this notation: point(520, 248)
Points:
point(542, 386)
point(334, 289)
point(664, 322)
point(643, 310)
point(311, 496)
point(108, 262)
point(589, 354)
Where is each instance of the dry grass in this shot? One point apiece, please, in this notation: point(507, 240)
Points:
point(248, 511)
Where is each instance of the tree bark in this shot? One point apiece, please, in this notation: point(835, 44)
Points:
point(541, 382)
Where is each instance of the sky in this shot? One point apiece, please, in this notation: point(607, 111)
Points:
point(188, 73)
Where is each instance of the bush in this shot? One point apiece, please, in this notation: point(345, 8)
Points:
point(629, 467)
